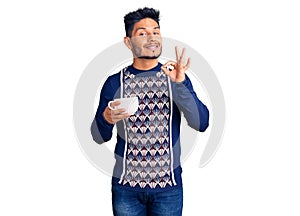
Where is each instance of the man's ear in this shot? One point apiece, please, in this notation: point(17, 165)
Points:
point(127, 42)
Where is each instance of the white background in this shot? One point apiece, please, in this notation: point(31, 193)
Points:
point(253, 47)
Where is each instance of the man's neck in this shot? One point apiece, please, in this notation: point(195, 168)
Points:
point(144, 64)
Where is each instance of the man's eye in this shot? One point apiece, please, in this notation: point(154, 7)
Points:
point(143, 34)
point(156, 33)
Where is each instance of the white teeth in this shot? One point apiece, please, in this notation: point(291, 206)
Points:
point(152, 47)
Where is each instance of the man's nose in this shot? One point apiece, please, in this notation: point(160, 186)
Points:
point(151, 37)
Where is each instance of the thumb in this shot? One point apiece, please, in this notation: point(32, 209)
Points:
point(165, 70)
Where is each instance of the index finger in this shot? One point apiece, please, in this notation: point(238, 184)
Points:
point(115, 103)
point(182, 55)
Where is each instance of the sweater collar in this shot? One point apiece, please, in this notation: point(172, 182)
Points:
point(136, 71)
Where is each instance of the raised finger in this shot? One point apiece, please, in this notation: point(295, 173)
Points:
point(177, 53)
point(188, 63)
point(181, 59)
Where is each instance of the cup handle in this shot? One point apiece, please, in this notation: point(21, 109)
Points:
point(110, 107)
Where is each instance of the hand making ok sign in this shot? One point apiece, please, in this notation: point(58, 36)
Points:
point(176, 70)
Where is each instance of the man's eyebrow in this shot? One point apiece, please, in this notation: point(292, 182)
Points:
point(144, 28)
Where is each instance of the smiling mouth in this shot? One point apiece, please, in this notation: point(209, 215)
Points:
point(152, 47)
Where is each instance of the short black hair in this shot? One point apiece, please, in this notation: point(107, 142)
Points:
point(133, 17)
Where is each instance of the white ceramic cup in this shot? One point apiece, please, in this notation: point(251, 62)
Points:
point(131, 104)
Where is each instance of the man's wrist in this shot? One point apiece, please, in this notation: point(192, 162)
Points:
point(106, 121)
point(180, 80)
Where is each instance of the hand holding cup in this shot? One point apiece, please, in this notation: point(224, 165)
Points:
point(120, 109)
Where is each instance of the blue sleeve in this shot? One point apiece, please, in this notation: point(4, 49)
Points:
point(101, 130)
point(195, 112)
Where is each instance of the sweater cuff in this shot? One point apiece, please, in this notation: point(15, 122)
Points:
point(179, 87)
point(182, 82)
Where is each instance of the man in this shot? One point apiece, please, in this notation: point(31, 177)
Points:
point(147, 174)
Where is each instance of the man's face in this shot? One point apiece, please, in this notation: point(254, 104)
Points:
point(145, 41)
